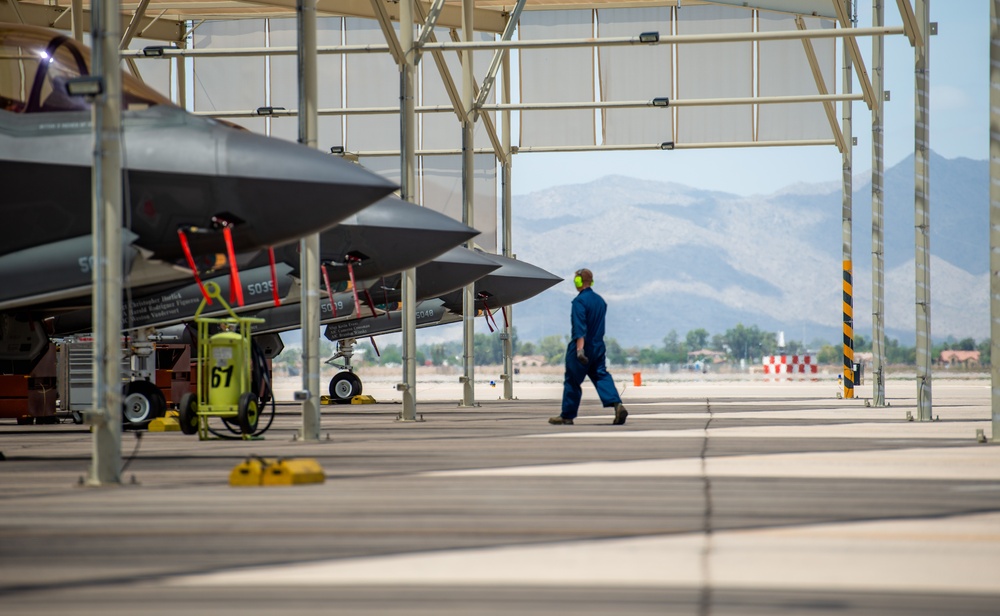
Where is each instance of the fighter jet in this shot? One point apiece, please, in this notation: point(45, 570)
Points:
point(183, 173)
point(515, 281)
point(373, 240)
point(389, 236)
point(443, 274)
point(382, 239)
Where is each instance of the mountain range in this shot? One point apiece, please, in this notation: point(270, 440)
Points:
point(667, 256)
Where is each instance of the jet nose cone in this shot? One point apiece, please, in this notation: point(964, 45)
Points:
point(514, 282)
point(452, 270)
point(389, 236)
point(288, 190)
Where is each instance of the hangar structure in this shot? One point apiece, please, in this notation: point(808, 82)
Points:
point(419, 103)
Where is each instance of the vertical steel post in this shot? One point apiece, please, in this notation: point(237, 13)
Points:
point(921, 202)
point(468, 190)
point(309, 245)
point(181, 64)
point(106, 221)
point(407, 118)
point(995, 216)
point(848, 304)
point(506, 187)
point(76, 19)
point(878, 202)
point(847, 229)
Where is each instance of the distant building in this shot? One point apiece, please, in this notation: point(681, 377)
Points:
point(715, 357)
point(956, 359)
point(528, 361)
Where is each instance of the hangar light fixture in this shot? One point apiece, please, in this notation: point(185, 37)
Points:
point(339, 150)
point(649, 37)
point(662, 101)
point(266, 111)
point(667, 145)
point(87, 87)
point(153, 51)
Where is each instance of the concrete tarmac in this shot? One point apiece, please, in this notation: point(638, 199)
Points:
point(716, 498)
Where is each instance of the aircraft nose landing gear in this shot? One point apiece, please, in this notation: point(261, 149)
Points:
point(344, 385)
point(143, 401)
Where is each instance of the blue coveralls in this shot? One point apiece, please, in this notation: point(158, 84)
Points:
point(587, 317)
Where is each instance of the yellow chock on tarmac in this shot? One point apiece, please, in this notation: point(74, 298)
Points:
point(247, 472)
point(167, 423)
point(325, 400)
point(293, 472)
point(276, 472)
point(362, 399)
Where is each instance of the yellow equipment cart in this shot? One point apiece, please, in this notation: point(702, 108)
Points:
point(224, 376)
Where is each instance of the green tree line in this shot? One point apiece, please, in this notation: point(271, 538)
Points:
point(738, 343)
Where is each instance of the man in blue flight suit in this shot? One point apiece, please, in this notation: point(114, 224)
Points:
point(585, 353)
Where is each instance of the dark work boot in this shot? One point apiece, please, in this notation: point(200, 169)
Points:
point(620, 414)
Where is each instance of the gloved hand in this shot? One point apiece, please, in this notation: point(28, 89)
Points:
point(582, 357)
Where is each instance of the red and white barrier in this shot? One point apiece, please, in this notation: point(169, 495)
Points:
point(790, 364)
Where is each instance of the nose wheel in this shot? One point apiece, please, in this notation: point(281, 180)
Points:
point(344, 386)
point(142, 402)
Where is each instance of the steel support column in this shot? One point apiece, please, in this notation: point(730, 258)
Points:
point(921, 203)
point(106, 417)
point(181, 79)
point(506, 188)
point(468, 180)
point(878, 202)
point(847, 223)
point(76, 13)
point(995, 216)
point(407, 119)
point(309, 245)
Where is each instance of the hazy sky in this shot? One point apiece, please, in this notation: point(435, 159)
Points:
point(959, 121)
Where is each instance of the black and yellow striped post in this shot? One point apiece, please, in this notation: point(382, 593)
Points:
point(848, 331)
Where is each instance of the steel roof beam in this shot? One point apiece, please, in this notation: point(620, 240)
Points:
point(48, 16)
point(446, 79)
point(563, 43)
point(491, 129)
point(806, 8)
point(693, 102)
point(133, 27)
point(384, 21)
point(15, 8)
point(828, 107)
point(613, 148)
point(910, 25)
point(498, 56)
point(133, 24)
point(676, 39)
point(451, 16)
point(429, 23)
point(856, 59)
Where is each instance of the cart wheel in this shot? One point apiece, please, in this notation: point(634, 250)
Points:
point(247, 413)
point(143, 401)
point(186, 414)
point(344, 386)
